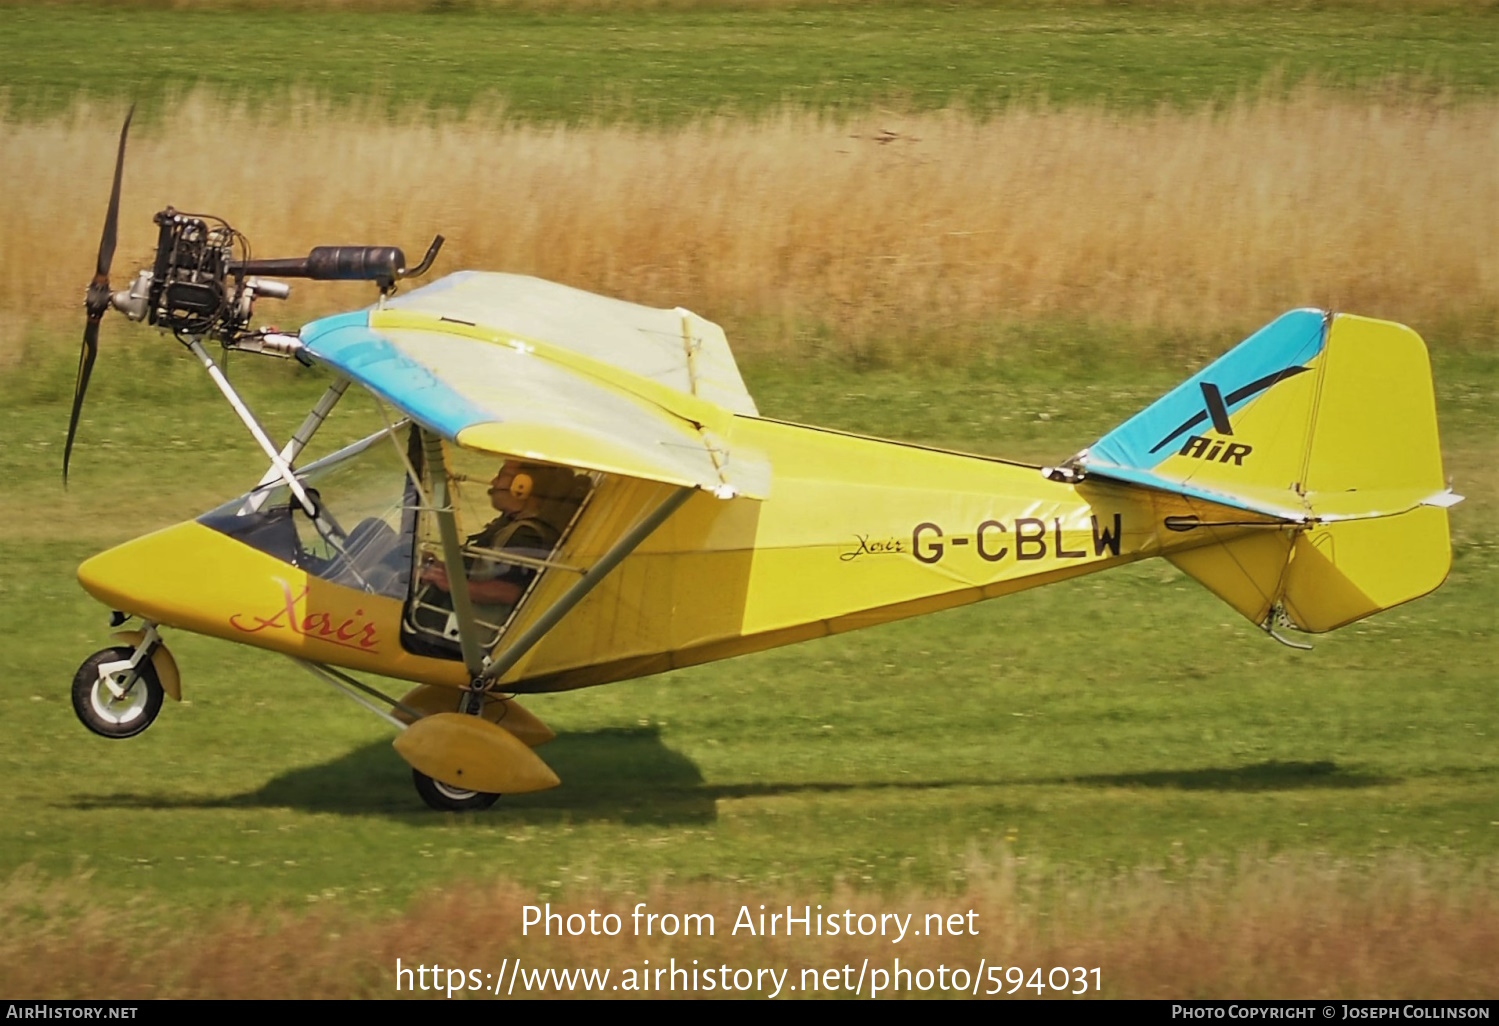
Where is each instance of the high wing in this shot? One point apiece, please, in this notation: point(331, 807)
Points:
point(675, 348)
point(517, 366)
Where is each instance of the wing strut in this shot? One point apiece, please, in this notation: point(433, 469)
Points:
point(279, 466)
point(452, 556)
point(583, 585)
point(293, 448)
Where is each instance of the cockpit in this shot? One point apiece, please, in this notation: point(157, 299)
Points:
point(373, 529)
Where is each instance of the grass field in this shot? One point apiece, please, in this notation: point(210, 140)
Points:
point(668, 62)
point(1121, 740)
point(1114, 771)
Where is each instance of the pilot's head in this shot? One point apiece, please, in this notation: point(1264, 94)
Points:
point(522, 486)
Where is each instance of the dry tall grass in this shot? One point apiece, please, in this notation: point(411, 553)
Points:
point(1397, 930)
point(878, 227)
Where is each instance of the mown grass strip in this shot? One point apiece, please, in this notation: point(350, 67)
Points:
point(561, 63)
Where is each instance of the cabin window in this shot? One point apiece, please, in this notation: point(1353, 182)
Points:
point(508, 547)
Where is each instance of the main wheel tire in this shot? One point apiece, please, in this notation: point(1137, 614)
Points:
point(445, 798)
point(100, 711)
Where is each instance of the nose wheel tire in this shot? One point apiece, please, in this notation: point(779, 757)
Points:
point(446, 798)
point(109, 706)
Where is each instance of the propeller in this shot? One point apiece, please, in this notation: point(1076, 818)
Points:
point(96, 301)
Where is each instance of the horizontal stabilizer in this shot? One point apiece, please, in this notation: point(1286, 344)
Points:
point(1327, 576)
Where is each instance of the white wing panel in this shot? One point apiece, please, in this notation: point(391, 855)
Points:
point(675, 348)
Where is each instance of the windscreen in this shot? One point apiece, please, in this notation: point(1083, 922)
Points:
point(362, 536)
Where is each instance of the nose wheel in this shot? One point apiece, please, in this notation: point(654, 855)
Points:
point(111, 698)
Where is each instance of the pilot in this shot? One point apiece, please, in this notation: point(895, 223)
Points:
point(534, 501)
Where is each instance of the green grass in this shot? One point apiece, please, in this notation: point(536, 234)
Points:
point(675, 64)
point(1121, 721)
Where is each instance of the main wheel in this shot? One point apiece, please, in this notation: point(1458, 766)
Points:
point(446, 798)
point(111, 715)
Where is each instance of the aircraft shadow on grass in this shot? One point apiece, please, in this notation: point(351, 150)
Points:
point(621, 774)
point(1261, 776)
point(629, 775)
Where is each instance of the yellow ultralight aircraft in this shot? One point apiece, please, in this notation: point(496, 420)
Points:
point(572, 490)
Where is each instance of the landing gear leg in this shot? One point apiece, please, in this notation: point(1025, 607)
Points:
point(445, 797)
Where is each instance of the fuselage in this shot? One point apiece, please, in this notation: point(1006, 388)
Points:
point(854, 532)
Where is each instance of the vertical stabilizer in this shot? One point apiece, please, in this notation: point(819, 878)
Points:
point(1326, 422)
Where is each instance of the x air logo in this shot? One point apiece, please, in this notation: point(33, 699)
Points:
point(1215, 408)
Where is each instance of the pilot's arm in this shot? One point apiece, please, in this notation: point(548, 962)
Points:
point(493, 582)
point(494, 592)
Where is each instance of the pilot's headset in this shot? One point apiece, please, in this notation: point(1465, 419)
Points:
point(521, 484)
point(555, 488)
point(543, 481)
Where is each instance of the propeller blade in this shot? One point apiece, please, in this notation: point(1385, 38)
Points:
point(85, 368)
point(112, 218)
point(97, 300)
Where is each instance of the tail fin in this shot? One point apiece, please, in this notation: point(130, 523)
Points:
point(1326, 423)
